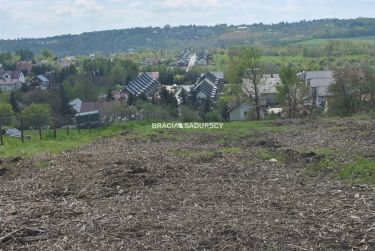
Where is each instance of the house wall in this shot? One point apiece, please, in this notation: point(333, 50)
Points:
point(201, 95)
point(6, 87)
point(240, 113)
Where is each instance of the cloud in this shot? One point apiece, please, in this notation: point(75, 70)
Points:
point(38, 18)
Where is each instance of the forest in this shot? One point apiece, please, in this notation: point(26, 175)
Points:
point(174, 38)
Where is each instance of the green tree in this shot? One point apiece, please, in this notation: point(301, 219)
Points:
point(47, 53)
point(36, 115)
point(290, 89)
point(346, 91)
point(13, 101)
point(8, 60)
point(369, 87)
point(25, 54)
point(246, 63)
point(5, 114)
point(119, 75)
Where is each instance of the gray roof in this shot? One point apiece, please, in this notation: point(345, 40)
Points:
point(210, 84)
point(218, 74)
point(308, 75)
point(319, 74)
point(42, 78)
point(319, 82)
point(76, 104)
point(144, 84)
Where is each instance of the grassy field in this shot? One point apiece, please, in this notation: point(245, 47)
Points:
point(14, 147)
point(322, 42)
point(139, 130)
point(359, 170)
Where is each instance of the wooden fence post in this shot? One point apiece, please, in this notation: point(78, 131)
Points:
point(67, 126)
point(22, 137)
point(1, 133)
point(40, 128)
point(79, 126)
point(54, 127)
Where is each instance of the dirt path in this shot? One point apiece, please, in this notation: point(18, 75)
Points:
point(162, 194)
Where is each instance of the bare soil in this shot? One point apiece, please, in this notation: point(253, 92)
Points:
point(122, 194)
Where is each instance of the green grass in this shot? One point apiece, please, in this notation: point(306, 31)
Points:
point(320, 42)
point(242, 129)
point(361, 171)
point(14, 147)
point(266, 154)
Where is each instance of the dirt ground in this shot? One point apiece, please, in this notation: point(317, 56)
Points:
point(187, 193)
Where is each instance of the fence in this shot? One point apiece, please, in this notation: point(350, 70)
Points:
point(18, 125)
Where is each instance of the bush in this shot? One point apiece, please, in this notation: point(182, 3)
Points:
point(189, 115)
point(212, 117)
point(6, 113)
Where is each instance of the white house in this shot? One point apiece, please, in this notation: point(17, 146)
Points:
point(11, 80)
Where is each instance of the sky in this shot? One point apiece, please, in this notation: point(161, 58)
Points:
point(44, 18)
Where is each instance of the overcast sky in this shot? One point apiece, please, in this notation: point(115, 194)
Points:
point(41, 18)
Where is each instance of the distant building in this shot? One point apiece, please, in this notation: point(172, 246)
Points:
point(11, 80)
point(319, 83)
point(243, 110)
point(209, 85)
point(202, 57)
point(76, 105)
point(145, 84)
point(183, 59)
point(266, 88)
point(40, 81)
point(88, 115)
point(65, 62)
point(239, 110)
point(150, 61)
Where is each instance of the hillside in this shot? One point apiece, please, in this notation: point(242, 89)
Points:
point(219, 36)
point(216, 190)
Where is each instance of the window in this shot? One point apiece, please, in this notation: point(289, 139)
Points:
point(245, 114)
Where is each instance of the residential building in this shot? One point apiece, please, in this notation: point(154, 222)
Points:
point(202, 57)
point(319, 83)
point(145, 84)
point(11, 80)
point(266, 88)
point(239, 110)
point(40, 81)
point(209, 85)
point(183, 59)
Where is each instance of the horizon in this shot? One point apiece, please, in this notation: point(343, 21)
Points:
point(173, 26)
point(56, 18)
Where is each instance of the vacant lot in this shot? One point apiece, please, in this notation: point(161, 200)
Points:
point(284, 185)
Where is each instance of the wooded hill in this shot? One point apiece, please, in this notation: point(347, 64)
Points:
point(219, 36)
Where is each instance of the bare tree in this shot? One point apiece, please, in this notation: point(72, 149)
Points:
point(250, 64)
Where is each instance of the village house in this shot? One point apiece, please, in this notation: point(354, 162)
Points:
point(11, 80)
point(243, 110)
point(209, 86)
point(40, 81)
point(266, 88)
point(319, 83)
point(150, 61)
point(65, 62)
